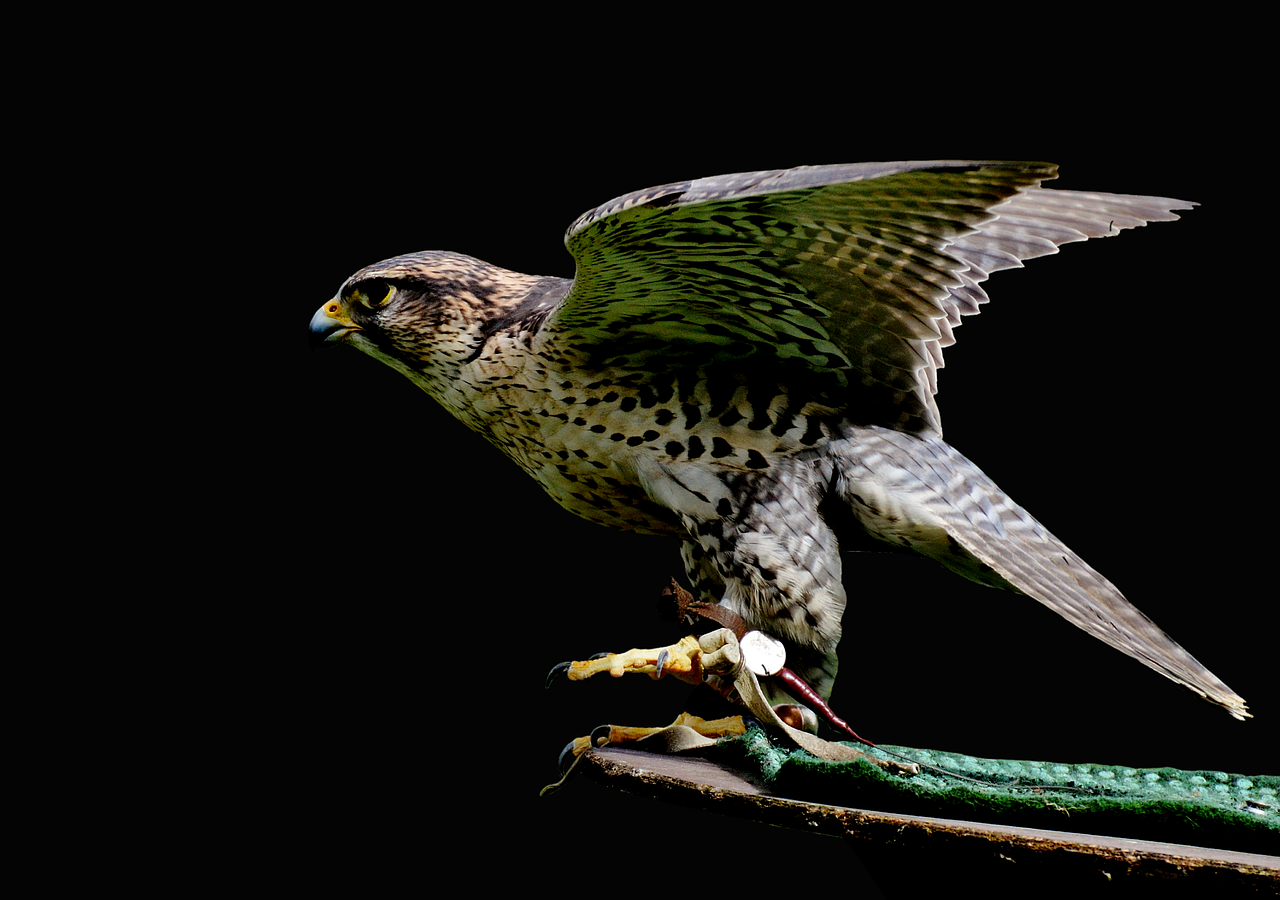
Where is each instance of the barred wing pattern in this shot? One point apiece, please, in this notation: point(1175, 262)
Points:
point(857, 274)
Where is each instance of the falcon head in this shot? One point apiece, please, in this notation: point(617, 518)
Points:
point(425, 314)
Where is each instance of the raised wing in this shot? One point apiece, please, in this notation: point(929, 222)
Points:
point(856, 273)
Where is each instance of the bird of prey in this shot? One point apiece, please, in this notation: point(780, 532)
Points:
point(748, 363)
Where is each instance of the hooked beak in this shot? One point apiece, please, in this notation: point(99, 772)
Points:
point(332, 322)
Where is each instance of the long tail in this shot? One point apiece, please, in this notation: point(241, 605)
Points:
point(923, 494)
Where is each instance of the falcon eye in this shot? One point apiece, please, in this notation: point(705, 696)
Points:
point(374, 294)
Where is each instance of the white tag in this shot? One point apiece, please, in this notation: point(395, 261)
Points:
point(762, 654)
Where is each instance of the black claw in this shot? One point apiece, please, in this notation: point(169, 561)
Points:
point(567, 757)
point(556, 671)
point(561, 668)
point(661, 664)
point(565, 762)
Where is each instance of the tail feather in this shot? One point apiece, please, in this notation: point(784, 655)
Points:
point(949, 510)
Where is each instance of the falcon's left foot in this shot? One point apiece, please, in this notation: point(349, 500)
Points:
point(672, 737)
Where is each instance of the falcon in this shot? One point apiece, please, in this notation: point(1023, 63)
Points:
point(748, 363)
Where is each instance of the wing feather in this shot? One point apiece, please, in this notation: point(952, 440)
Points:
point(858, 273)
point(1004, 539)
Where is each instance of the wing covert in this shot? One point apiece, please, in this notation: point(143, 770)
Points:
point(857, 274)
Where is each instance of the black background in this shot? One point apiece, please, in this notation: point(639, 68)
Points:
point(399, 590)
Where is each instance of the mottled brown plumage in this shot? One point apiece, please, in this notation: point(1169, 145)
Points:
point(736, 354)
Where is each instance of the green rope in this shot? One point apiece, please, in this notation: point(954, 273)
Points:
point(1203, 808)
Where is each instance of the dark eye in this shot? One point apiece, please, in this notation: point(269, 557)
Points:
point(372, 294)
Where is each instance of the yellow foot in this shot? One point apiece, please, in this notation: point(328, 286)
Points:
point(685, 733)
point(694, 660)
point(691, 659)
point(621, 734)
